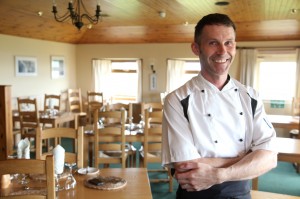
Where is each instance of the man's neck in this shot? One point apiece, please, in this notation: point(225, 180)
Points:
point(217, 81)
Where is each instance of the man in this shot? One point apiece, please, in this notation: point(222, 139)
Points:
point(215, 132)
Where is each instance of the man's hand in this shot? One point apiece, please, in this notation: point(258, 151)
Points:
point(196, 176)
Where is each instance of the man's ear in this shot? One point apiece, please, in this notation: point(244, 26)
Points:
point(195, 48)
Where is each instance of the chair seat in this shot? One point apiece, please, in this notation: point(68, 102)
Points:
point(130, 151)
point(152, 154)
point(108, 154)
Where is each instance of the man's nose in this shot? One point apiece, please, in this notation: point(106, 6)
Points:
point(222, 49)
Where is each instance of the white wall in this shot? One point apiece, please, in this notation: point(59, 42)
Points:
point(155, 54)
point(36, 86)
point(79, 65)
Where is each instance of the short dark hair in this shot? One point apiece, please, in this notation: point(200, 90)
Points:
point(212, 19)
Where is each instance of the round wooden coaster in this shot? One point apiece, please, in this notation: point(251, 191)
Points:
point(107, 183)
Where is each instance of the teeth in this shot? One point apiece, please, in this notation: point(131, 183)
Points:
point(221, 61)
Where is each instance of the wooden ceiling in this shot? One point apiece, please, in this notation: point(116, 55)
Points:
point(138, 21)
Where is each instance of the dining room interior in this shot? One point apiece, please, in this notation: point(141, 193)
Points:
point(128, 59)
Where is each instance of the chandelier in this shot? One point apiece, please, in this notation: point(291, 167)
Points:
point(75, 14)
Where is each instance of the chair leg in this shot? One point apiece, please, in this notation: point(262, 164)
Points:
point(170, 180)
point(105, 165)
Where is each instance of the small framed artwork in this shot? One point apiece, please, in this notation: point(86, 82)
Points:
point(57, 67)
point(26, 66)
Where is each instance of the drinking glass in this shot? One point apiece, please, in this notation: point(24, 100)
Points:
point(70, 182)
point(101, 122)
point(23, 179)
point(58, 187)
point(142, 122)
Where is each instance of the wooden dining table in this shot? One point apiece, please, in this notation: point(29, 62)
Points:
point(137, 187)
point(267, 195)
point(55, 120)
point(288, 151)
point(284, 121)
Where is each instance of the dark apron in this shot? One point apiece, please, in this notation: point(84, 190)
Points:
point(226, 190)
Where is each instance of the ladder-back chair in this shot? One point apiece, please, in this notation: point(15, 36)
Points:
point(75, 100)
point(29, 117)
point(55, 135)
point(151, 149)
point(94, 100)
point(110, 140)
point(31, 166)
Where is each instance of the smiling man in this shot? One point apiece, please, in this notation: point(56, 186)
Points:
point(216, 135)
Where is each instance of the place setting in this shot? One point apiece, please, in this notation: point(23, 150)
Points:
point(93, 179)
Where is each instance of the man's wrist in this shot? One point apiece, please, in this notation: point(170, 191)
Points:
point(222, 175)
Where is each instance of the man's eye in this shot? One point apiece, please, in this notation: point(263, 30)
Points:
point(229, 43)
point(213, 43)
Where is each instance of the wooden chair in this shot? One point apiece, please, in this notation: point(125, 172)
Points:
point(29, 117)
point(75, 100)
point(120, 106)
point(151, 150)
point(152, 106)
point(110, 140)
point(31, 166)
point(52, 102)
point(55, 135)
point(94, 100)
point(128, 120)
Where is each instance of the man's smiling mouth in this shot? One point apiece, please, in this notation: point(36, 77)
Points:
point(220, 61)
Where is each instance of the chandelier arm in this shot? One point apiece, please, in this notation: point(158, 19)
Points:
point(97, 11)
point(94, 20)
point(62, 18)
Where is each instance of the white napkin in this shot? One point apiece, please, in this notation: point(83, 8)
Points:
point(23, 150)
point(59, 159)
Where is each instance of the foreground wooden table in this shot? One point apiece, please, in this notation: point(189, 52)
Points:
point(268, 195)
point(137, 187)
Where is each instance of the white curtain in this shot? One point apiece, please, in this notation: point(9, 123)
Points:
point(248, 59)
point(298, 74)
point(139, 90)
point(175, 73)
point(101, 74)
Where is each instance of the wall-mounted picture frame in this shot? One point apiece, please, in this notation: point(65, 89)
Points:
point(57, 67)
point(153, 81)
point(25, 66)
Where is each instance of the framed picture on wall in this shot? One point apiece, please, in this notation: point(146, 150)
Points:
point(26, 66)
point(57, 67)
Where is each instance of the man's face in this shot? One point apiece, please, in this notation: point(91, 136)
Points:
point(216, 50)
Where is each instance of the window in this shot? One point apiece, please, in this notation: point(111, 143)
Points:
point(277, 80)
point(191, 69)
point(124, 81)
point(180, 71)
point(277, 75)
point(119, 80)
